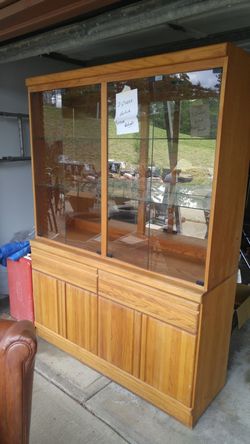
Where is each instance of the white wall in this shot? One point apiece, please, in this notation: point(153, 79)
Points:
point(16, 200)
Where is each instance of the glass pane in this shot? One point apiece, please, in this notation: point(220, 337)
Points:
point(67, 156)
point(161, 171)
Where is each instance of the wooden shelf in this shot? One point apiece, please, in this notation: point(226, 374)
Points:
point(14, 159)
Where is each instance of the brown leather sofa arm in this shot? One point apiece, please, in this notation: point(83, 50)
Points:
point(9, 330)
point(17, 357)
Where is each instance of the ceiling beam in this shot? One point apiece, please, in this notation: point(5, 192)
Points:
point(239, 35)
point(22, 17)
point(65, 59)
point(108, 26)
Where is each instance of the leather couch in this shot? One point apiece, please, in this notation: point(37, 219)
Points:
point(17, 357)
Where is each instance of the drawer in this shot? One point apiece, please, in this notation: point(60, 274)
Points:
point(65, 269)
point(148, 300)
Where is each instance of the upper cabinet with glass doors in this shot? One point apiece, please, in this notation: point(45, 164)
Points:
point(128, 163)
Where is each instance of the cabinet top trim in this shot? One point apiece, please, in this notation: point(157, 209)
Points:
point(173, 58)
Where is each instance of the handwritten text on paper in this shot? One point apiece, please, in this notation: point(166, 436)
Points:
point(126, 112)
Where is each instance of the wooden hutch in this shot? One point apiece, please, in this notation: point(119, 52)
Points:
point(139, 176)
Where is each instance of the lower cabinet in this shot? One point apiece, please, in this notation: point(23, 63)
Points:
point(123, 341)
point(159, 354)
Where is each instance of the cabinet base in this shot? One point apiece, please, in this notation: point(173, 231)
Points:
point(150, 394)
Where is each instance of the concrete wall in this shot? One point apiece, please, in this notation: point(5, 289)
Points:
point(16, 200)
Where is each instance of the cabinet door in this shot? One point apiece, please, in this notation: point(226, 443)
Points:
point(49, 298)
point(67, 158)
point(81, 313)
point(159, 216)
point(119, 335)
point(168, 356)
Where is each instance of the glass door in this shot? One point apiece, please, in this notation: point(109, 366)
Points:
point(161, 150)
point(67, 165)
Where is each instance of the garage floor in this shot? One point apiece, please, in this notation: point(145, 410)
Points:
point(73, 404)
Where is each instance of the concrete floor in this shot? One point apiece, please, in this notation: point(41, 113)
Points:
point(73, 404)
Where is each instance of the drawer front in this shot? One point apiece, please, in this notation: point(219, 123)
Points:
point(161, 305)
point(65, 269)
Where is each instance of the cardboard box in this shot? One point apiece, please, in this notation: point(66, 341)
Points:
point(242, 303)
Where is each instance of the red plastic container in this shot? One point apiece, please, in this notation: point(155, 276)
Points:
point(20, 289)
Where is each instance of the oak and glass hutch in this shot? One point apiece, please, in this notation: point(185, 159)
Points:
point(139, 172)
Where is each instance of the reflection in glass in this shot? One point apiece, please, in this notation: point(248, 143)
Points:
point(160, 179)
point(67, 165)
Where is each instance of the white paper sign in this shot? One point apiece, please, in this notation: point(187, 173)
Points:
point(126, 112)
